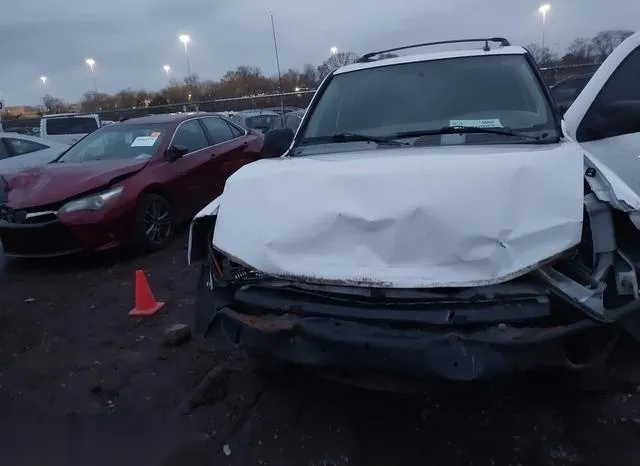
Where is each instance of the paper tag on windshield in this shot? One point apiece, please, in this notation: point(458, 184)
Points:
point(488, 123)
point(144, 141)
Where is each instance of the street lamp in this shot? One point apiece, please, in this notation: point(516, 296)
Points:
point(166, 69)
point(91, 62)
point(334, 50)
point(543, 10)
point(44, 80)
point(185, 39)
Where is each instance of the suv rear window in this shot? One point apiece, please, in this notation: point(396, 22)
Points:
point(262, 121)
point(70, 125)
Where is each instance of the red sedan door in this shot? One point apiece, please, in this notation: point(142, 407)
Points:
point(232, 147)
point(185, 180)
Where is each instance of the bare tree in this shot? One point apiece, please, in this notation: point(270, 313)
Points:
point(309, 78)
point(604, 42)
point(192, 81)
point(542, 56)
point(580, 51)
point(246, 81)
point(335, 61)
point(126, 98)
point(97, 102)
point(54, 105)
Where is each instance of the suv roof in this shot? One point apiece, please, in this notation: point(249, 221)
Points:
point(366, 60)
point(501, 40)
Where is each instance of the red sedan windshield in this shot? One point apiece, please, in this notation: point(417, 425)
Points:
point(118, 141)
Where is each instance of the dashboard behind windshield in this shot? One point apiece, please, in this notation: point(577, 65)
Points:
point(118, 141)
point(499, 91)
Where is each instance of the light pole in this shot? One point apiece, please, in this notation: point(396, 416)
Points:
point(275, 46)
point(543, 10)
point(43, 79)
point(333, 50)
point(91, 63)
point(185, 39)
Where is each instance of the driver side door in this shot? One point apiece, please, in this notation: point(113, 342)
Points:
point(184, 175)
point(605, 118)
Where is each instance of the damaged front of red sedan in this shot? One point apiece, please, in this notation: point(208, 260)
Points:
point(128, 183)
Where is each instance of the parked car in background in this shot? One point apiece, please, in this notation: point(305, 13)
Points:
point(128, 183)
point(260, 120)
point(19, 151)
point(68, 128)
point(3, 258)
point(567, 90)
point(465, 232)
point(285, 109)
point(20, 130)
point(290, 120)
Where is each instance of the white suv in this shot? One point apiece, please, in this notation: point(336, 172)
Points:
point(434, 216)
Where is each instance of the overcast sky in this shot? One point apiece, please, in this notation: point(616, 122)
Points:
point(130, 40)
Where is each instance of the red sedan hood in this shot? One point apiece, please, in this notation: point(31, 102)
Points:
point(57, 182)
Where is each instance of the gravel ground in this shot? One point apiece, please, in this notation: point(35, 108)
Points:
point(68, 347)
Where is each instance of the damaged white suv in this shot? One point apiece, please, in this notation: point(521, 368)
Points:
point(434, 216)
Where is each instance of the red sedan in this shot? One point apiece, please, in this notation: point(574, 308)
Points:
point(129, 183)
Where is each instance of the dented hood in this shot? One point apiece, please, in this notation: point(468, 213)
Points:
point(405, 218)
point(57, 182)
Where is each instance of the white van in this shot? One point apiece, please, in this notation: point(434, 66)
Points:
point(68, 128)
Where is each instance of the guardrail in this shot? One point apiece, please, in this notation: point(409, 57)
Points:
point(290, 99)
point(555, 74)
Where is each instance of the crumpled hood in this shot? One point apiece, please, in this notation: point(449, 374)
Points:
point(57, 182)
point(405, 218)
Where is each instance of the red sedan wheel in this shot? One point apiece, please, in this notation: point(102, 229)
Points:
point(154, 223)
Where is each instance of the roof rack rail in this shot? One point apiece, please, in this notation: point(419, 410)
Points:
point(503, 43)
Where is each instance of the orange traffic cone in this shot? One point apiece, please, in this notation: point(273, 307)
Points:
point(146, 303)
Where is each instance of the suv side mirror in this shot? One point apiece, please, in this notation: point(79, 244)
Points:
point(276, 142)
point(174, 152)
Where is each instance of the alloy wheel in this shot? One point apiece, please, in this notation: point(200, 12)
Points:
point(157, 222)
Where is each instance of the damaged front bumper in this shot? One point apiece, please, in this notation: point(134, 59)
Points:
point(459, 335)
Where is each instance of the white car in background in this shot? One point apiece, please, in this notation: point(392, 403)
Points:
point(68, 128)
point(19, 151)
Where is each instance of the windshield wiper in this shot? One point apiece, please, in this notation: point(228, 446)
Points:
point(469, 130)
point(354, 137)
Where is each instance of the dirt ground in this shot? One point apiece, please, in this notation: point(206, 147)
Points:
point(72, 360)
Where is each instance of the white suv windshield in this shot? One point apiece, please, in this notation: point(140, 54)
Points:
point(498, 91)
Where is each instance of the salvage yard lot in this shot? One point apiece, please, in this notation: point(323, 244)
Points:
point(68, 346)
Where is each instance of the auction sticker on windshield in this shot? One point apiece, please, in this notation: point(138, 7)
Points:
point(488, 123)
point(144, 141)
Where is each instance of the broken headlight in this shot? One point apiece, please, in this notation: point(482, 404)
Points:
point(228, 270)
